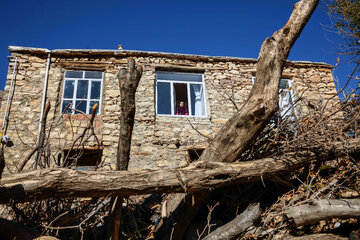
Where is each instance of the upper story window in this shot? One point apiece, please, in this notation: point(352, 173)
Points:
point(180, 94)
point(286, 102)
point(82, 89)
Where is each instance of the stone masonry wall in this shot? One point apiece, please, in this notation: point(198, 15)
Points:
point(157, 141)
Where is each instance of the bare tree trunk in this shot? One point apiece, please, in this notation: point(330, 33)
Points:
point(323, 209)
point(128, 82)
point(243, 127)
point(59, 182)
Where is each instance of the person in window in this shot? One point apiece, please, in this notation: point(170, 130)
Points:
point(181, 109)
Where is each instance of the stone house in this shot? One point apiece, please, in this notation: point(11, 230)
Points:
point(73, 80)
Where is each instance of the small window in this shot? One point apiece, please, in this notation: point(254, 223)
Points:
point(83, 158)
point(82, 89)
point(180, 94)
point(194, 154)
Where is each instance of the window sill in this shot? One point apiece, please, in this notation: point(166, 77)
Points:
point(79, 116)
point(182, 116)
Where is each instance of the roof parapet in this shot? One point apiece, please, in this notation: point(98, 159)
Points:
point(138, 53)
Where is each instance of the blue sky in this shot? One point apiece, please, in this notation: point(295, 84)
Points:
point(208, 27)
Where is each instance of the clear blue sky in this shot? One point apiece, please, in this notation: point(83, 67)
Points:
point(208, 27)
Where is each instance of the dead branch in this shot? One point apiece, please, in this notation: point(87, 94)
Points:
point(40, 146)
point(323, 209)
point(319, 236)
point(236, 227)
point(81, 137)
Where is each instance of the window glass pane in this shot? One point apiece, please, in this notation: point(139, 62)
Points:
point(69, 89)
point(82, 89)
point(197, 100)
point(92, 104)
point(181, 99)
point(74, 74)
point(179, 77)
point(95, 90)
point(284, 83)
point(80, 105)
point(66, 107)
point(163, 98)
point(94, 75)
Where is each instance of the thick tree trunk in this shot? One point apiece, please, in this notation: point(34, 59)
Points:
point(59, 182)
point(128, 81)
point(236, 227)
point(243, 127)
point(323, 209)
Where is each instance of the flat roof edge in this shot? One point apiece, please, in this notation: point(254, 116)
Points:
point(129, 53)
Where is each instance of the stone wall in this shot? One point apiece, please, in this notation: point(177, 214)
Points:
point(158, 141)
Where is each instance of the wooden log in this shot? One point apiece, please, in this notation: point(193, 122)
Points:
point(318, 236)
point(59, 182)
point(236, 227)
point(323, 209)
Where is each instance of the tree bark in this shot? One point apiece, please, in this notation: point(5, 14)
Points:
point(243, 127)
point(128, 81)
point(318, 236)
point(236, 227)
point(59, 182)
point(323, 209)
point(42, 137)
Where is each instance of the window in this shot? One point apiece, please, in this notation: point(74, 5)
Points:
point(286, 103)
point(85, 159)
point(286, 99)
point(82, 89)
point(180, 94)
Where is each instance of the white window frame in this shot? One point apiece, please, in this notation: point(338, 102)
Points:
point(88, 99)
point(173, 114)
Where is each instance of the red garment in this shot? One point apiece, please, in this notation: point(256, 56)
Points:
point(181, 110)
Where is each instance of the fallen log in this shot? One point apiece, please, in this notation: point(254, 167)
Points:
point(236, 227)
point(323, 209)
point(60, 182)
point(318, 236)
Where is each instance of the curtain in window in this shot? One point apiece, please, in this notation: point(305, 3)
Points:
point(285, 104)
point(198, 100)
